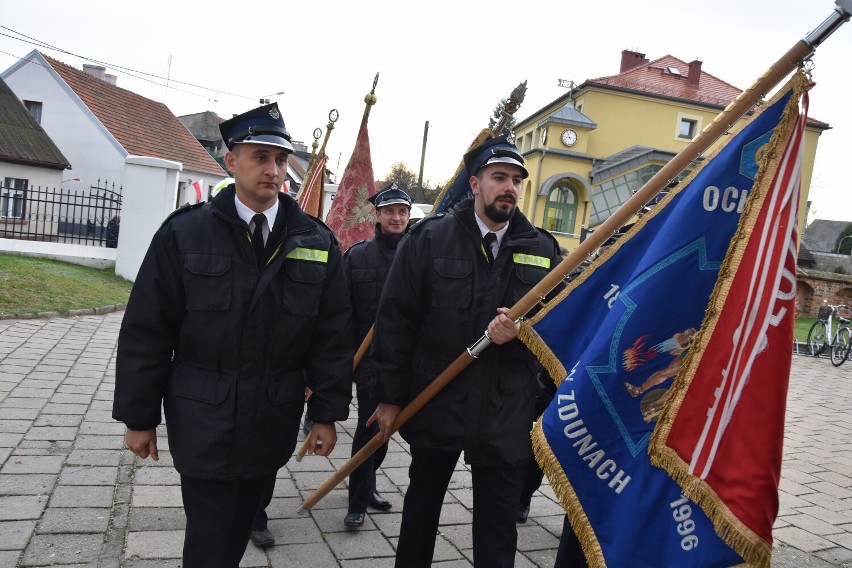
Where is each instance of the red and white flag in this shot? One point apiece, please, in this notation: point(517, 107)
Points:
point(195, 192)
point(311, 193)
point(721, 438)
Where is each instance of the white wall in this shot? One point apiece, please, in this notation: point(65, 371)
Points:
point(37, 177)
point(92, 151)
point(150, 190)
point(86, 255)
point(329, 191)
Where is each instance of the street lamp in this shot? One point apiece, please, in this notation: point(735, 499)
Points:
point(840, 244)
point(264, 100)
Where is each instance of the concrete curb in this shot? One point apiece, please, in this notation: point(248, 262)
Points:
point(66, 314)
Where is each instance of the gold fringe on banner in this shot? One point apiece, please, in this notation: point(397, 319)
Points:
point(753, 549)
point(565, 493)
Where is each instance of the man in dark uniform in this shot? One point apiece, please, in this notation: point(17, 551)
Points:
point(453, 277)
point(366, 265)
point(240, 303)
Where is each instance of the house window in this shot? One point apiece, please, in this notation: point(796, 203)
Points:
point(686, 129)
point(560, 212)
point(34, 108)
point(13, 195)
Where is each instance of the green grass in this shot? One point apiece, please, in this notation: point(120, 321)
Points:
point(803, 326)
point(40, 285)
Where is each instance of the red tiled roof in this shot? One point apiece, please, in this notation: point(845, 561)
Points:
point(654, 77)
point(142, 126)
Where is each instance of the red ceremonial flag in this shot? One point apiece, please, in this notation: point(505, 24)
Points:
point(311, 193)
point(197, 192)
point(721, 436)
point(352, 217)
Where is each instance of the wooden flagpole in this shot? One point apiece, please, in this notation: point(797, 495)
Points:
point(369, 101)
point(803, 49)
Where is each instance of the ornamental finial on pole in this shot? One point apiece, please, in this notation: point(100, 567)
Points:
point(513, 103)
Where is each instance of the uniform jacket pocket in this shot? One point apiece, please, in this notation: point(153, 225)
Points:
point(526, 277)
point(452, 283)
point(303, 286)
point(202, 385)
point(208, 281)
point(364, 283)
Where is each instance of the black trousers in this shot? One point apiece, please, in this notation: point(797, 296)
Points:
point(570, 553)
point(496, 492)
point(219, 516)
point(261, 518)
point(362, 481)
point(533, 476)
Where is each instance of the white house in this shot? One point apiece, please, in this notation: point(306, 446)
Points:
point(97, 124)
point(29, 162)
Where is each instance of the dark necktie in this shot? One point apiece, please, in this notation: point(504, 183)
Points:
point(257, 238)
point(487, 243)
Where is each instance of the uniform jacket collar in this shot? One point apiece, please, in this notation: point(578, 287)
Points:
point(519, 227)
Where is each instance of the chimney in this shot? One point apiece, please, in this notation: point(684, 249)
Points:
point(631, 59)
point(694, 76)
point(95, 71)
point(99, 72)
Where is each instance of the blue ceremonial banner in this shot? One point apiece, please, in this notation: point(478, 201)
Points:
point(458, 186)
point(615, 338)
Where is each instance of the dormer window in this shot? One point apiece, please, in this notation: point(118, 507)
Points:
point(674, 71)
point(686, 128)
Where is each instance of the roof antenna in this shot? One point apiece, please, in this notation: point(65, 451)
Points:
point(168, 76)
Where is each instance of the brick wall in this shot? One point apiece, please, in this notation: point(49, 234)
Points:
point(814, 286)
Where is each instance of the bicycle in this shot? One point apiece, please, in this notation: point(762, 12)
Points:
point(821, 336)
point(842, 343)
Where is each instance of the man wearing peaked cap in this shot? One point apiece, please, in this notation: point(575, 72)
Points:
point(494, 151)
point(393, 195)
point(366, 265)
point(238, 306)
point(452, 279)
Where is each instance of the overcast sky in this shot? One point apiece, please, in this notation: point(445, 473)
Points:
point(445, 62)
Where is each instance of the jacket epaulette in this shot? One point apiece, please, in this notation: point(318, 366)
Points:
point(322, 224)
point(353, 245)
point(546, 232)
point(182, 209)
point(424, 220)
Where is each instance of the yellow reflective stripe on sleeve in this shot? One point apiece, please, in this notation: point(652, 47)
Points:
point(540, 261)
point(314, 255)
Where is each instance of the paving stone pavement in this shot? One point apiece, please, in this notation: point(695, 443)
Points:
point(71, 495)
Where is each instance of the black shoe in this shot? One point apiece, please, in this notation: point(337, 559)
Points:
point(306, 428)
point(378, 502)
point(262, 538)
point(523, 513)
point(354, 520)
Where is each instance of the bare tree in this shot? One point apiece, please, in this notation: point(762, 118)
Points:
point(406, 179)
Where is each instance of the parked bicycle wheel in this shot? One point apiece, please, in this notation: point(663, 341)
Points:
point(817, 339)
point(840, 347)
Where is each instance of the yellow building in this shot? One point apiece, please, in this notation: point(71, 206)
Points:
point(589, 150)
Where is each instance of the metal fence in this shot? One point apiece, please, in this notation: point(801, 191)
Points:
point(78, 217)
